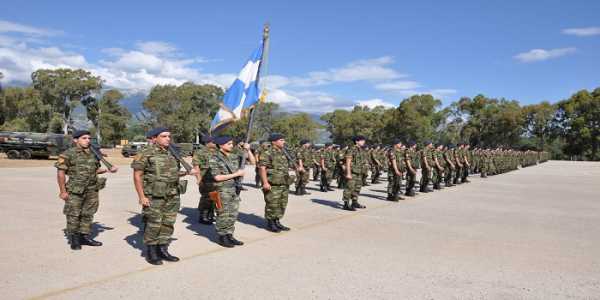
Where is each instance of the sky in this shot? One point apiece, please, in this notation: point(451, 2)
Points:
point(324, 55)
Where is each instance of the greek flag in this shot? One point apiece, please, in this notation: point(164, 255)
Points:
point(241, 95)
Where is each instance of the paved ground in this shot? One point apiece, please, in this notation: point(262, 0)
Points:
point(529, 234)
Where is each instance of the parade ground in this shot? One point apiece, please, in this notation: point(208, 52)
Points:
point(529, 234)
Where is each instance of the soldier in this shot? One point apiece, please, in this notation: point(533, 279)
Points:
point(397, 167)
point(316, 165)
point(80, 192)
point(303, 161)
point(466, 158)
point(438, 167)
point(274, 166)
point(354, 162)
point(200, 162)
point(411, 173)
point(456, 153)
point(376, 164)
point(426, 166)
point(156, 178)
point(224, 169)
point(449, 166)
point(327, 161)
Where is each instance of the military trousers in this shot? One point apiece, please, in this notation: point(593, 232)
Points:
point(448, 178)
point(160, 219)
point(425, 177)
point(276, 201)
point(205, 205)
point(302, 178)
point(352, 188)
point(80, 209)
point(228, 214)
point(394, 184)
point(410, 181)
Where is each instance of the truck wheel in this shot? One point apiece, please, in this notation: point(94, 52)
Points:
point(26, 154)
point(125, 154)
point(13, 154)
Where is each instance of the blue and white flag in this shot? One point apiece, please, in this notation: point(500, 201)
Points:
point(241, 95)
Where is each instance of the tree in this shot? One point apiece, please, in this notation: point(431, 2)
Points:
point(22, 109)
point(296, 127)
point(578, 119)
point(538, 121)
point(63, 89)
point(186, 110)
point(108, 115)
point(415, 119)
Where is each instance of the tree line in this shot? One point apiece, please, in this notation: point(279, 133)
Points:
point(569, 129)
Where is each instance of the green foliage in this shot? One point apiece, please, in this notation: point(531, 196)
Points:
point(108, 115)
point(296, 127)
point(22, 109)
point(186, 109)
point(578, 120)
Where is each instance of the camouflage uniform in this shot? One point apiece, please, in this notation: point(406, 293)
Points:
point(302, 178)
point(161, 187)
point(394, 180)
point(425, 155)
point(205, 206)
point(449, 165)
point(277, 167)
point(358, 158)
point(80, 166)
point(218, 165)
point(329, 161)
point(410, 176)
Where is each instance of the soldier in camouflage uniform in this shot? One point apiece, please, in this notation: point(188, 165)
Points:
point(328, 164)
point(437, 166)
point(223, 171)
point(354, 161)
point(200, 162)
point(303, 161)
point(450, 165)
point(426, 167)
point(397, 166)
point(80, 192)
point(411, 174)
point(156, 178)
point(376, 164)
point(466, 158)
point(274, 166)
point(316, 165)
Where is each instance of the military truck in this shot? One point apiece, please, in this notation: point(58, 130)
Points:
point(28, 145)
point(131, 149)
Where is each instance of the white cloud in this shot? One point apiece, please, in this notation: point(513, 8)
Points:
point(11, 27)
point(372, 103)
point(542, 54)
point(583, 31)
point(156, 47)
point(397, 85)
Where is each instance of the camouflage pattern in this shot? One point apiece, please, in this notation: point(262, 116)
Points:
point(329, 160)
point(227, 215)
point(200, 159)
point(277, 166)
point(305, 155)
point(161, 186)
point(81, 166)
point(394, 180)
point(358, 158)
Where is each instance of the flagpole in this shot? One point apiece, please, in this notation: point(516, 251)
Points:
point(261, 70)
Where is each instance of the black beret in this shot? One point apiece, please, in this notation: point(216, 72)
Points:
point(411, 143)
point(451, 146)
point(396, 141)
point(427, 142)
point(78, 133)
point(328, 144)
point(207, 139)
point(220, 140)
point(150, 133)
point(358, 138)
point(304, 142)
point(275, 137)
point(158, 130)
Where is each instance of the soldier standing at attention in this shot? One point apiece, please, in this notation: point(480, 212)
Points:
point(466, 153)
point(156, 179)
point(396, 169)
point(224, 170)
point(80, 192)
point(354, 161)
point(200, 163)
point(303, 161)
point(274, 166)
point(411, 173)
point(328, 164)
point(426, 166)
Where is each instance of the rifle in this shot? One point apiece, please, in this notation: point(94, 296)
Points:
point(236, 180)
point(215, 197)
point(175, 152)
point(96, 151)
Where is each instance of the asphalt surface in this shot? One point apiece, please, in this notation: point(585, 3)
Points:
point(529, 234)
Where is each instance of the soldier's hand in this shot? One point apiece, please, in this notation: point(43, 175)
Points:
point(101, 171)
point(113, 169)
point(144, 201)
point(398, 174)
point(266, 186)
point(239, 173)
point(246, 146)
point(194, 172)
point(64, 196)
point(349, 176)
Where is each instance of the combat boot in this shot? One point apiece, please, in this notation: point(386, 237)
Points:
point(355, 204)
point(163, 252)
point(410, 193)
point(298, 191)
point(272, 227)
point(234, 240)
point(75, 242)
point(329, 188)
point(304, 192)
point(322, 188)
point(87, 241)
point(152, 255)
point(349, 207)
point(204, 219)
point(225, 242)
point(211, 215)
point(281, 226)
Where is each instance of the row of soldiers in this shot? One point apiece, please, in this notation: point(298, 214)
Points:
point(219, 169)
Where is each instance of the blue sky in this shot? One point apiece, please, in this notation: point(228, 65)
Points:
point(324, 54)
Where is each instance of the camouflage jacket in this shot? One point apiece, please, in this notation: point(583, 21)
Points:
point(161, 171)
point(80, 165)
point(276, 164)
point(358, 158)
point(218, 165)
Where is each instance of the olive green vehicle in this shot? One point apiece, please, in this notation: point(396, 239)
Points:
point(28, 145)
point(131, 149)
